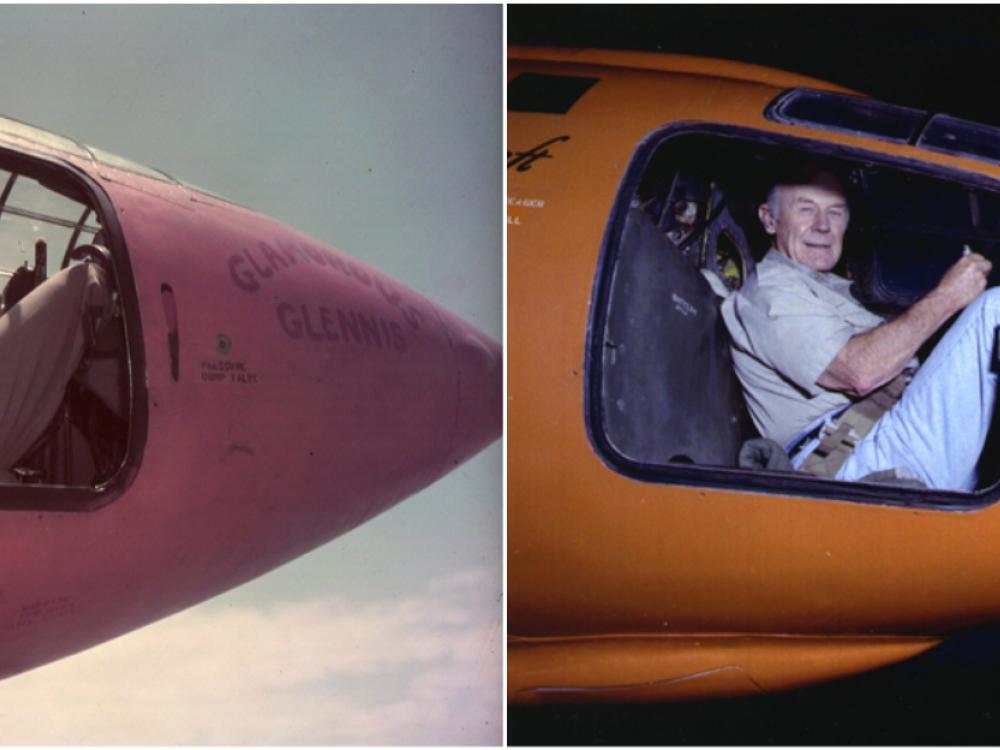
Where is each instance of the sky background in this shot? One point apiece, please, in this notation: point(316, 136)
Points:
point(376, 130)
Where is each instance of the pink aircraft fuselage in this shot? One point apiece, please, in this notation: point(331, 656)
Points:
point(282, 393)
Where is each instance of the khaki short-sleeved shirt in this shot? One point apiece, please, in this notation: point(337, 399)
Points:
point(787, 324)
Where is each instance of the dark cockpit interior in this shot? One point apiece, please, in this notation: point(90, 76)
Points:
point(685, 234)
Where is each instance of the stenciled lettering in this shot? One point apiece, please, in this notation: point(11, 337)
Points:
point(328, 323)
point(370, 331)
point(264, 273)
point(337, 325)
point(349, 322)
point(242, 277)
point(398, 339)
point(391, 295)
point(311, 332)
point(335, 261)
point(412, 316)
point(221, 370)
point(271, 255)
point(291, 251)
point(223, 365)
point(360, 275)
point(291, 325)
point(251, 267)
point(313, 254)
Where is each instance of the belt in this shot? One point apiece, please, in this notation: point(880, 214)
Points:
point(839, 438)
point(802, 444)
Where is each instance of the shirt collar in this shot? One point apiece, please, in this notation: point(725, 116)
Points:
point(828, 278)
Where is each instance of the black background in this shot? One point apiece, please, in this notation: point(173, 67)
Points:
point(936, 58)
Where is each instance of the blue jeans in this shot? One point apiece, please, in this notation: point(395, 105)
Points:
point(936, 431)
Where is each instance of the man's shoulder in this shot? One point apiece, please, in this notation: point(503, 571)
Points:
point(776, 270)
point(775, 291)
point(773, 279)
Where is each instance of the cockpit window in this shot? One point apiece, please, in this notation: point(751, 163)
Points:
point(30, 211)
point(30, 134)
point(66, 402)
point(954, 136)
point(846, 114)
point(664, 403)
point(857, 115)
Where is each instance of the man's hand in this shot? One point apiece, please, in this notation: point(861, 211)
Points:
point(871, 359)
point(962, 283)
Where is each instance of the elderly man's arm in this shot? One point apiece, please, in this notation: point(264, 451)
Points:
point(870, 360)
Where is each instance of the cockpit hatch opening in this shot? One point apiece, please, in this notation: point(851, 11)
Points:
point(684, 234)
point(67, 400)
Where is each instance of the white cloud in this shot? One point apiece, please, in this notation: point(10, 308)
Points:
point(421, 670)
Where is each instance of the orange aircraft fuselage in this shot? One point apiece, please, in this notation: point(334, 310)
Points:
point(623, 589)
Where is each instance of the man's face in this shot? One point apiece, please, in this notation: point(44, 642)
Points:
point(810, 222)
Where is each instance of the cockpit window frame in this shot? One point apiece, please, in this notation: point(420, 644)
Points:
point(62, 498)
point(952, 135)
point(737, 479)
point(792, 108)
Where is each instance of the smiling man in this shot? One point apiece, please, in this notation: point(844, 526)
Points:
point(834, 383)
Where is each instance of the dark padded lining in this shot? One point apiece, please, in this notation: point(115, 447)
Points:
point(669, 390)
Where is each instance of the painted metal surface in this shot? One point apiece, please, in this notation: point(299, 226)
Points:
point(306, 393)
point(594, 555)
point(639, 669)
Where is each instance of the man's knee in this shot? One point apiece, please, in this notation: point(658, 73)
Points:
point(986, 306)
point(84, 285)
point(81, 275)
point(990, 298)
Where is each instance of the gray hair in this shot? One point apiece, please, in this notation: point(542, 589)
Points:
point(774, 198)
point(804, 175)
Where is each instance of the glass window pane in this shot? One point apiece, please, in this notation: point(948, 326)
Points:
point(29, 195)
point(18, 235)
point(955, 136)
point(845, 114)
point(36, 135)
point(34, 212)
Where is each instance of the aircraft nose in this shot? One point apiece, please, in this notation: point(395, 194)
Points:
point(479, 388)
